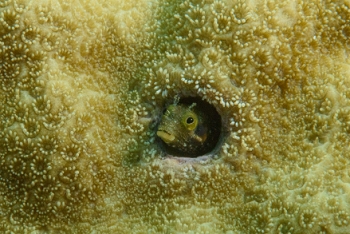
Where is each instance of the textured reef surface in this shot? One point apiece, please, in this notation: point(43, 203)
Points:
point(83, 85)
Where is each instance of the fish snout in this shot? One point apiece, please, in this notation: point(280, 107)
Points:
point(165, 136)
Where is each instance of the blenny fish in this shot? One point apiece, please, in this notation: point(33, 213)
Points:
point(188, 129)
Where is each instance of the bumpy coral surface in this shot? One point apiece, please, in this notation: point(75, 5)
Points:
point(83, 84)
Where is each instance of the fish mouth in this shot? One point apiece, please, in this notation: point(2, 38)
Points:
point(165, 136)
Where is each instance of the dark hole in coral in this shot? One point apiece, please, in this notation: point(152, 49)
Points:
point(189, 130)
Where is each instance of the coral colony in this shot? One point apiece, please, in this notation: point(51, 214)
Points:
point(83, 87)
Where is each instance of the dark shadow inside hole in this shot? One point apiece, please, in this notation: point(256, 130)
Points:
point(209, 128)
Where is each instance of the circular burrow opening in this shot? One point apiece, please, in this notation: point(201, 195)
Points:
point(190, 127)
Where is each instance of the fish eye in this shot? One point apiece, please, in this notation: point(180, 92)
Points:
point(189, 120)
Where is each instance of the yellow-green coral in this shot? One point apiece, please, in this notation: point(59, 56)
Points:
point(83, 84)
